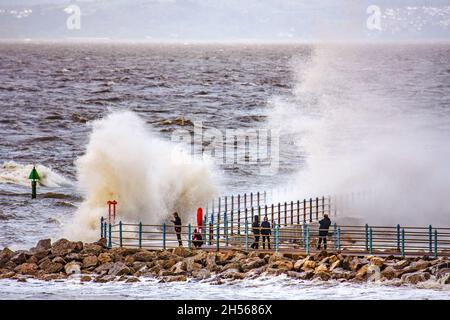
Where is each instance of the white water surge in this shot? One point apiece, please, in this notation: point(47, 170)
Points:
point(150, 178)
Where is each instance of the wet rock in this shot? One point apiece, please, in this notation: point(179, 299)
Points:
point(10, 265)
point(179, 267)
point(104, 257)
point(72, 268)
point(401, 264)
point(105, 278)
point(181, 251)
point(308, 266)
point(321, 268)
point(340, 273)
point(6, 274)
point(200, 257)
point(201, 274)
point(32, 259)
point(373, 273)
point(27, 268)
point(232, 265)
point(118, 269)
point(90, 261)
point(178, 278)
point(377, 261)
point(49, 266)
point(324, 276)
point(92, 249)
point(362, 272)
point(332, 259)
point(132, 280)
point(421, 264)
point(415, 277)
point(211, 262)
point(104, 268)
point(73, 257)
point(356, 264)
point(129, 260)
point(59, 260)
point(253, 264)
point(19, 258)
point(63, 247)
point(389, 273)
point(191, 265)
point(50, 277)
point(42, 245)
point(282, 265)
point(335, 264)
point(86, 279)
point(222, 258)
point(299, 263)
point(5, 255)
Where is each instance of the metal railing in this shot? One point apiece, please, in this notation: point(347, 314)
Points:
point(303, 238)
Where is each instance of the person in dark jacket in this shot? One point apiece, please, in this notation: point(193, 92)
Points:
point(324, 225)
point(177, 225)
point(256, 231)
point(197, 239)
point(266, 232)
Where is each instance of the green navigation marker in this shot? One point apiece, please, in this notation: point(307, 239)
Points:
point(34, 177)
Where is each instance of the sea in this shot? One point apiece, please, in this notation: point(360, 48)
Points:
point(104, 120)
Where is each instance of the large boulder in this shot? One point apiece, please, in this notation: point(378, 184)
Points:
point(105, 257)
point(362, 272)
point(19, 258)
point(90, 261)
point(5, 255)
point(104, 268)
point(401, 264)
point(27, 268)
point(144, 256)
point(321, 268)
point(72, 268)
point(299, 263)
point(92, 249)
point(42, 245)
point(179, 267)
point(389, 273)
point(181, 251)
point(282, 265)
point(253, 263)
point(415, 277)
point(309, 266)
point(49, 266)
point(119, 269)
point(63, 247)
point(377, 261)
point(178, 278)
point(335, 264)
point(340, 273)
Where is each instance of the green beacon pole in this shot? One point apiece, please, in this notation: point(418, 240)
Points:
point(34, 177)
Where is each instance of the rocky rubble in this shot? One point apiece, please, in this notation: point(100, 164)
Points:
point(94, 262)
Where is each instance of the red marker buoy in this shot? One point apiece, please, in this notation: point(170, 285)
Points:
point(112, 205)
point(200, 218)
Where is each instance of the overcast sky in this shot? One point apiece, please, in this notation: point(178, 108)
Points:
point(227, 20)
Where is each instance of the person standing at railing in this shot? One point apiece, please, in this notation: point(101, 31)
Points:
point(324, 225)
point(197, 239)
point(266, 232)
point(256, 231)
point(177, 225)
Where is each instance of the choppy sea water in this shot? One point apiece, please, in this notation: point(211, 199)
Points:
point(279, 287)
point(50, 92)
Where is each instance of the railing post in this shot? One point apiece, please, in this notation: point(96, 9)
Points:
point(105, 229)
point(370, 240)
point(335, 236)
point(140, 235)
point(205, 223)
point(246, 236)
point(310, 209)
point(435, 244)
point(239, 221)
point(257, 197)
point(339, 239)
point(398, 237)
point(164, 236)
point(225, 224)
point(298, 211)
point(292, 212)
point(304, 211)
point(367, 236)
point(232, 221)
point(277, 238)
point(217, 236)
point(120, 233)
point(189, 236)
point(273, 214)
point(307, 239)
point(317, 208)
point(279, 213)
point(403, 242)
point(109, 234)
point(323, 205)
point(101, 227)
point(430, 238)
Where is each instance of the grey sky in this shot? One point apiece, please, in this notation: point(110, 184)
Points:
point(229, 20)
